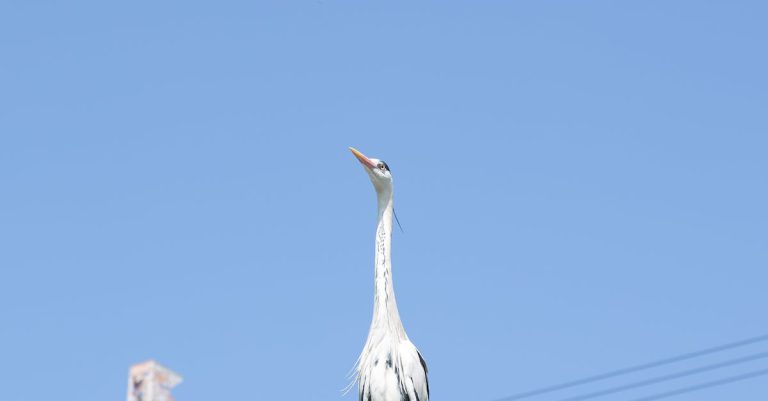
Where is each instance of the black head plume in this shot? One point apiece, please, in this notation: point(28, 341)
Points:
point(398, 221)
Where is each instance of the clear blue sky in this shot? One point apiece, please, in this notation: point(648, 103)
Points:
point(582, 187)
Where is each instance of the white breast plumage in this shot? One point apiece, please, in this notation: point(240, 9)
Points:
point(393, 372)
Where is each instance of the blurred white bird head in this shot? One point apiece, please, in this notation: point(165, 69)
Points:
point(377, 169)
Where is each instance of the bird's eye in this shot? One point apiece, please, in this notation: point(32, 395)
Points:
point(381, 166)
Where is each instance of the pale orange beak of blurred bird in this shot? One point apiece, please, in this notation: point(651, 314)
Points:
point(364, 160)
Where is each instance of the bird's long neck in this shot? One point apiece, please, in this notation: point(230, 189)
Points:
point(385, 314)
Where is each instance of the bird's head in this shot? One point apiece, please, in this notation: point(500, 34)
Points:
point(377, 169)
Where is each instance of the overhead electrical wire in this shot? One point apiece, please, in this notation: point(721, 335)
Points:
point(637, 368)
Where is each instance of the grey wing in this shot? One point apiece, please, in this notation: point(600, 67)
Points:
point(415, 371)
point(426, 380)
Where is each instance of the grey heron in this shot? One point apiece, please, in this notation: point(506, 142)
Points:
point(390, 368)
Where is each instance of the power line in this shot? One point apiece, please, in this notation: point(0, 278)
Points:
point(702, 386)
point(671, 376)
point(635, 368)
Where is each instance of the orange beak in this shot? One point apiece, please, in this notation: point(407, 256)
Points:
point(364, 160)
